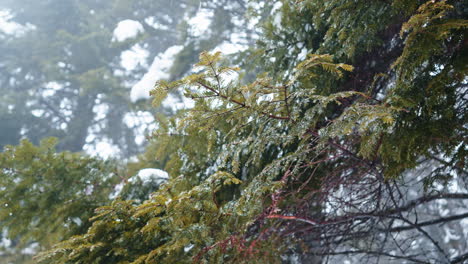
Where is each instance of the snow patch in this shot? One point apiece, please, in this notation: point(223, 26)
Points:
point(31, 249)
point(133, 57)
point(142, 122)
point(230, 48)
point(151, 175)
point(147, 176)
point(303, 55)
point(200, 23)
point(12, 28)
point(188, 247)
point(277, 20)
point(278, 16)
point(77, 220)
point(176, 103)
point(103, 149)
point(157, 71)
point(117, 190)
point(5, 242)
point(155, 24)
point(127, 29)
point(276, 7)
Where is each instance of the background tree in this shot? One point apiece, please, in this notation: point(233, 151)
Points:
point(62, 76)
point(48, 196)
point(64, 73)
point(313, 160)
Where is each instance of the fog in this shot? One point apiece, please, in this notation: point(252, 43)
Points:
point(81, 71)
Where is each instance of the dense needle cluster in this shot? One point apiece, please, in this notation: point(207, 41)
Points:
point(354, 122)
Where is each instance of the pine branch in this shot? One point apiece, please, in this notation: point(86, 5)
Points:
point(217, 93)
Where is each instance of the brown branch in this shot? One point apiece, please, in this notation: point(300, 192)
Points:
point(346, 151)
point(426, 199)
point(53, 109)
point(288, 111)
point(430, 222)
point(459, 259)
point(378, 253)
point(295, 218)
point(412, 225)
point(453, 166)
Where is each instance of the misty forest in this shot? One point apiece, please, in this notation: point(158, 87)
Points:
point(233, 131)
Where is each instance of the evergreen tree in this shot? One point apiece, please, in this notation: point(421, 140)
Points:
point(361, 104)
point(48, 196)
point(67, 71)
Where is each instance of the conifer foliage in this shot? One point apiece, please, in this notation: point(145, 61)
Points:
point(48, 196)
point(327, 156)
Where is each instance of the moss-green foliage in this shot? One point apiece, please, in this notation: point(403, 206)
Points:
point(177, 217)
point(343, 28)
point(429, 75)
point(211, 214)
point(243, 145)
point(47, 196)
